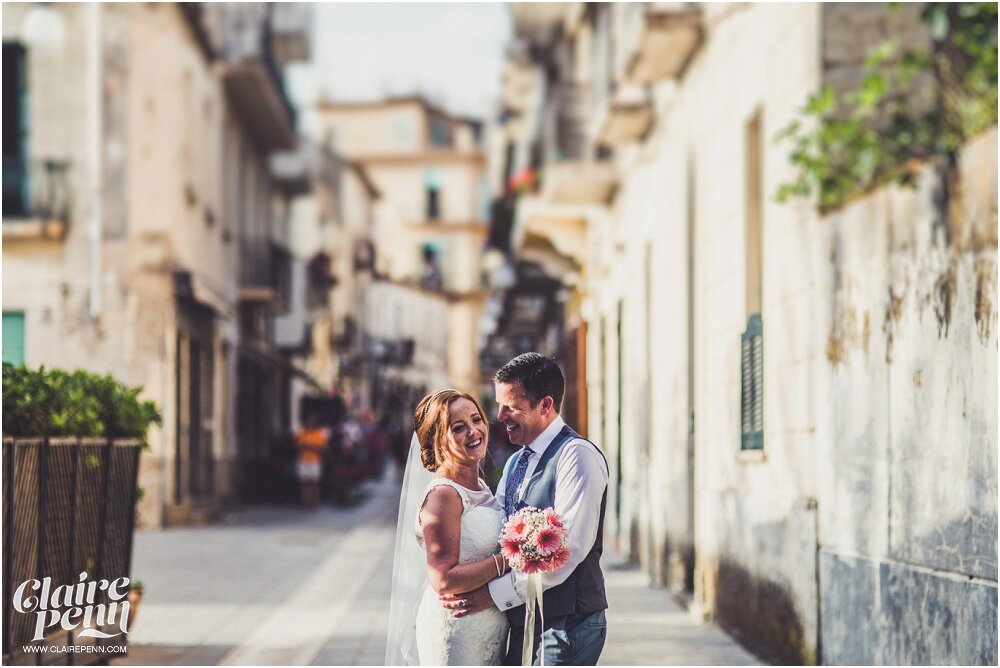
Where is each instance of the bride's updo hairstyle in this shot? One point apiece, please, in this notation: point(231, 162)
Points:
point(430, 422)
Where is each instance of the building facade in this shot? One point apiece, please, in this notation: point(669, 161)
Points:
point(333, 212)
point(798, 409)
point(421, 312)
point(129, 227)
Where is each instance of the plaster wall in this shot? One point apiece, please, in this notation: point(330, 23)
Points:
point(877, 484)
point(161, 154)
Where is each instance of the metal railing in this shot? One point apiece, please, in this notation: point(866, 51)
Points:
point(244, 33)
point(36, 189)
point(573, 114)
point(68, 509)
point(264, 264)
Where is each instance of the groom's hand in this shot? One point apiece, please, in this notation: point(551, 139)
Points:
point(477, 600)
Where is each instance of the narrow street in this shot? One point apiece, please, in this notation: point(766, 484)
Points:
point(279, 586)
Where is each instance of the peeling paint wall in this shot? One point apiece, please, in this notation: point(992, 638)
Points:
point(148, 220)
point(908, 565)
point(866, 531)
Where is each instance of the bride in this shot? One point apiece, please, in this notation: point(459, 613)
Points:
point(446, 540)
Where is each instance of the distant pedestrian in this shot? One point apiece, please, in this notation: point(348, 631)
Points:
point(311, 440)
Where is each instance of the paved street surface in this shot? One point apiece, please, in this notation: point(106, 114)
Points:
point(280, 586)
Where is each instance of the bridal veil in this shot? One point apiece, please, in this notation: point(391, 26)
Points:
point(409, 567)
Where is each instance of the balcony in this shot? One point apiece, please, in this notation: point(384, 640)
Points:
point(293, 171)
point(548, 229)
point(667, 38)
point(538, 22)
point(251, 73)
point(291, 31)
point(572, 102)
point(578, 182)
point(628, 117)
point(265, 274)
point(393, 352)
point(518, 85)
point(36, 199)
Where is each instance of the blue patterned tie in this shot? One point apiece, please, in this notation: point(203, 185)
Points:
point(515, 480)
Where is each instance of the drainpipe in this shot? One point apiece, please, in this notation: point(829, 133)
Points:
point(95, 164)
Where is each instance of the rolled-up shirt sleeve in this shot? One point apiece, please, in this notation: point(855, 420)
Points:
point(581, 478)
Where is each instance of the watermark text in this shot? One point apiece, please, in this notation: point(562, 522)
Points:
point(71, 607)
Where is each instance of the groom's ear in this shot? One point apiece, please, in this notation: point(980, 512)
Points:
point(547, 404)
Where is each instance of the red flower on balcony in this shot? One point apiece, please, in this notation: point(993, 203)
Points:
point(523, 181)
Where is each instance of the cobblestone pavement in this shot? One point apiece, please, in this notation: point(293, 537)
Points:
point(276, 585)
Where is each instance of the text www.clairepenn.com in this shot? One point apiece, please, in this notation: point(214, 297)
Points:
point(74, 649)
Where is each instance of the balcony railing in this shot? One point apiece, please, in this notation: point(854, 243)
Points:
point(628, 116)
point(572, 113)
point(265, 273)
point(242, 34)
point(36, 190)
point(291, 30)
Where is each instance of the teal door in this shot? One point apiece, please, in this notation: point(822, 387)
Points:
point(13, 337)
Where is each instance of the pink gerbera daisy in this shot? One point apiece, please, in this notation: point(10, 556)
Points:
point(553, 518)
point(517, 529)
point(559, 558)
point(533, 566)
point(510, 549)
point(548, 541)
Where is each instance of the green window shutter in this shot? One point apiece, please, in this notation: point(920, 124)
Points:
point(752, 385)
point(13, 337)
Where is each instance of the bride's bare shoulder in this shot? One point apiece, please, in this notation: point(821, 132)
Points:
point(442, 498)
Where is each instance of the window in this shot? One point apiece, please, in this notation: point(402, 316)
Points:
point(16, 193)
point(440, 136)
point(753, 214)
point(752, 344)
point(431, 275)
point(13, 337)
point(433, 203)
point(432, 189)
point(752, 386)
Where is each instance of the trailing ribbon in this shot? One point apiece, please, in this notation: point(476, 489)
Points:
point(534, 597)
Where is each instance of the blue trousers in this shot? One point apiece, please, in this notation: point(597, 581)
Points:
point(573, 640)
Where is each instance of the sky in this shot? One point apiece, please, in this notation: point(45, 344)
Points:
point(451, 52)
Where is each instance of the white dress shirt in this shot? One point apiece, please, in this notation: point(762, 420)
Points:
point(581, 478)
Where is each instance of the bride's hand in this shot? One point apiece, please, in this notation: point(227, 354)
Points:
point(465, 604)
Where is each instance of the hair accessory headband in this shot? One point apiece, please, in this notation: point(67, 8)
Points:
point(427, 406)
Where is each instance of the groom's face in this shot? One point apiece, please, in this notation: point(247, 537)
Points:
point(523, 421)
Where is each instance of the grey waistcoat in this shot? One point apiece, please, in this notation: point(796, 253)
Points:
point(583, 591)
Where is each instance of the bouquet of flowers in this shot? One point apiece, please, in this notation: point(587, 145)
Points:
point(533, 541)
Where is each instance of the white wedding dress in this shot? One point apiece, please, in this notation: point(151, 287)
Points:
point(477, 639)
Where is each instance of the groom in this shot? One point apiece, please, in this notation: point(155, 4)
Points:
point(556, 468)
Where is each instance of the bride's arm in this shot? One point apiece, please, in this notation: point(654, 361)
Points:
point(441, 519)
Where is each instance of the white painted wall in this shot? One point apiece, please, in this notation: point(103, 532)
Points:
point(890, 460)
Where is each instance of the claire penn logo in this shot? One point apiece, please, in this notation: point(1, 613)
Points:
point(71, 607)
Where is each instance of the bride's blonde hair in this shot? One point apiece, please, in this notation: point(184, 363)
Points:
point(430, 422)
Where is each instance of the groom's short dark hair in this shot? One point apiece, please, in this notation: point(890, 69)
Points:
point(539, 376)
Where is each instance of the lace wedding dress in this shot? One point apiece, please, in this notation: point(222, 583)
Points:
point(477, 639)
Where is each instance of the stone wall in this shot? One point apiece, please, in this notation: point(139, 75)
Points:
point(908, 558)
point(866, 530)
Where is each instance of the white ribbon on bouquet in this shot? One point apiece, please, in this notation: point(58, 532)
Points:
point(533, 598)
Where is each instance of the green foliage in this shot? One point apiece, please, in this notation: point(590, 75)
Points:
point(60, 403)
point(844, 145)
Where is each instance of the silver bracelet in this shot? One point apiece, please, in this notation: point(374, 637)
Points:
point(496, 563)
